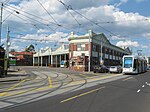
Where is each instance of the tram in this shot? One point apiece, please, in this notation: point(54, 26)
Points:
point(134, 64)
point(3, 63)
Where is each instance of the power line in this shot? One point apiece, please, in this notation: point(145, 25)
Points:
point(17, 10)
point(6, 1)
point(30, 19)
point(47, 12)
point(95, 23)
point(67, 8)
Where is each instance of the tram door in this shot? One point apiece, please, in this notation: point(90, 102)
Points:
point(135, 65)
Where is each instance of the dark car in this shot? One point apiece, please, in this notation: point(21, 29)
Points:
point(100, 68)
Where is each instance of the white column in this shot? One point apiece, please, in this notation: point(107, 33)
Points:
point(41, 60)
point(38, 58)
point(65, 57)
point(56, 60)
point(33, 60)
point(60, 60)
point(51, 59)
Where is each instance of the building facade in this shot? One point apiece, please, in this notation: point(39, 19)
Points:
point(52, 58)
point(23, 58)
point(95, 46)
point(77, 53)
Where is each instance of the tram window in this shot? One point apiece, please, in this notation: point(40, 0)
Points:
point(128, 62)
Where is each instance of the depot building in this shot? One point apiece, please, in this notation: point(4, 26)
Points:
point(81, 49)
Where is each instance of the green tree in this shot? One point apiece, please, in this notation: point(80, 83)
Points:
point(30, 48)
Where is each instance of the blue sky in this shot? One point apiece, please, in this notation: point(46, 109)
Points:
point(124, 22)
point(138, 7)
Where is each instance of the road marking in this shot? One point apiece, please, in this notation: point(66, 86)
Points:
point(147, 83)
point(80, 95)
point(138, 91)
point(143, 86)
point(50, 82)
point(127, 78)
point(11, 88)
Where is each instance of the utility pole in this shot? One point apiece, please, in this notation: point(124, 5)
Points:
point(7, 43)
point(7, 52)
point(1, 19)
point(101, 60)
point(89, 63)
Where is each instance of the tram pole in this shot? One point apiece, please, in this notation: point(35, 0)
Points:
point(1, 18)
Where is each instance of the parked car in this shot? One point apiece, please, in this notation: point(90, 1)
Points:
point(148, 67)
point(115, 69)
point(100, 68)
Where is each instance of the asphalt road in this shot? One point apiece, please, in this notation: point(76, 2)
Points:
point(131, 94)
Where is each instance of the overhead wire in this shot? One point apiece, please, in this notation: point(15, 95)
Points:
point(6, 1)
point(79, 24)
point(12, 7)
point(95, 23)
point(31, 19)
point(58, 25)
point(69, 7)
point(48, 12)
point(7, 17)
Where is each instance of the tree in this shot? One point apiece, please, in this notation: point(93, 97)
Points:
point(30, 48)
point(12, 50)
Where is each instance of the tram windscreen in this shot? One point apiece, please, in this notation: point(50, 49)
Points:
point(128, 62)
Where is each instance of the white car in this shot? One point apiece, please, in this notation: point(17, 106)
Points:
point(115, 69)
point(148, 67)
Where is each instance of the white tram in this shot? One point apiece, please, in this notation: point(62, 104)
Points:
point(134, 64)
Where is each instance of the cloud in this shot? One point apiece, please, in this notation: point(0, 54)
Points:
point(144, 46)
point(147, 35)
point(109, 17)
point(120, 3)
point(127, 43)
point(117, 37)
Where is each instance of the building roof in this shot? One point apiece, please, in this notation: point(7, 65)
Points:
point(21, 53)
point(63, 49)
point(11, 56)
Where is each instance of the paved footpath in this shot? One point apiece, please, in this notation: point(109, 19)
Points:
point(14, 75)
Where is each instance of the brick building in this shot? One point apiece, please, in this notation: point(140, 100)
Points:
point(101, 51)
point(23, 58)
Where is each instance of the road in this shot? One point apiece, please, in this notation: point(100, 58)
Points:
point(128, 94)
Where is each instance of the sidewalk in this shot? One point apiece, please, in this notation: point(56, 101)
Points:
point(14, 75)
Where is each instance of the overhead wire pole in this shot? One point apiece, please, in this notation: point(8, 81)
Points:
point(8, 43)
point(1, 19)
point(89, 62)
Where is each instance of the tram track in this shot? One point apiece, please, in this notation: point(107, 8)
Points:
point(62, 83)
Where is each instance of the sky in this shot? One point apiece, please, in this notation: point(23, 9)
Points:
point(48, 23)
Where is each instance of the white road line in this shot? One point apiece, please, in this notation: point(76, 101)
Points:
point(143, 86)
point(138, 91)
